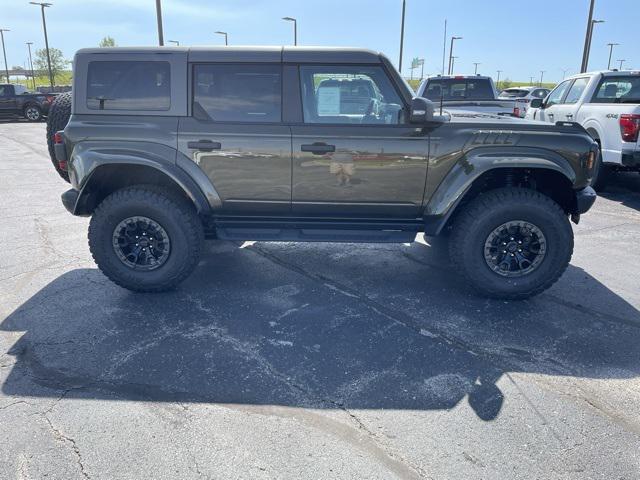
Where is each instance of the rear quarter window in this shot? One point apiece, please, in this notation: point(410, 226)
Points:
point(129, 85)
point(618, 89)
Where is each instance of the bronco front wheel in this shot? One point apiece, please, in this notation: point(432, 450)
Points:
point(511, 243)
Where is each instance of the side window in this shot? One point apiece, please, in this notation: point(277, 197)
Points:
point(361, 95)
point(539, 93)
point(576, 90)
point(239, 93)
point(3, 92)
point(556, 95)
point(129, 85)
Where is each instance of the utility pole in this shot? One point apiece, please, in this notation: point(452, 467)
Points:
point(593, 22)
point(33, 74)
point(451, 54)
point(542, 72)
point(498, 80)
point(226, 38)
point(531, 80)
point(564, 72)
point(404, 7)
point(610, 45)
point(4, 52)
point(46, 39)
point(587, 39)
point(295, 28)
point(621, 62)
point(444, 45)
point(159, 19)
point(453, 62)
point(475, 71)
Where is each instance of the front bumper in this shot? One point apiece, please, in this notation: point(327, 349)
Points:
point(585, 199)
point(631, 159)
point(69, 200)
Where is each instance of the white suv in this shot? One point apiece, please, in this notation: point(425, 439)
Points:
point(607, 105)
point(523, 97)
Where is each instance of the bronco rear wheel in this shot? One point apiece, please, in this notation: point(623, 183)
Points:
point(511, 243)
point(145, 240)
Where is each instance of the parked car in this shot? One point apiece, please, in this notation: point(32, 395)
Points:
point(166, 146)
point(17, 101)
point(466, 92)
point(607, 105)
point(522, 97)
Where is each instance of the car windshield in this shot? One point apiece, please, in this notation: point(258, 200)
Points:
point(618, 89)
point(514, 93)
point(458, 89)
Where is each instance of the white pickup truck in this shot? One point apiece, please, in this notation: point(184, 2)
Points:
point(607, 105)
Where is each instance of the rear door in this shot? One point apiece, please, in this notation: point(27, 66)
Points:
point(567, 110)
point(354, 154)
point(236, 136)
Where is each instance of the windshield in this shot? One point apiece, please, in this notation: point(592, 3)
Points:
point(514, 93)
point(459, 89)
point(618, 89)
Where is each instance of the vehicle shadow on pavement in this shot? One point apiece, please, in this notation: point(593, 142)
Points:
point(322, 326)
point(624, 188)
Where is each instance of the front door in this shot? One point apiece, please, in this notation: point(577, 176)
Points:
point(555, 98)
point(236, 136)
point(7, 100)
point(567, 110)
point(355, 154)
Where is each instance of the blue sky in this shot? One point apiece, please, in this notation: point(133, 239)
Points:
point(520, 37)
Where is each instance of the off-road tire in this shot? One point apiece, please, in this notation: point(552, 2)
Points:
point(473, 225)
point(33, 113)
point(175, 215)
point(57, 119)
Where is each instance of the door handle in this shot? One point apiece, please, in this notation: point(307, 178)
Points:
point(318, 148)
point(550, 114)
point(204, 145)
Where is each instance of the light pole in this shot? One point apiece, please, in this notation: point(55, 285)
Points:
point(4, 52)
point(586, 63)
point(610, 45)
point(531, 80)
point(33, 74)
point(453, 62)
point(621, 62)
point(226, 37)
point(542, 72)
point(159, 20)
point(404, 7)
point(564, 72)
point(175, 42)
point(498, 79)
point(475, 71)
point(46, 39)
point(451, 54)
point(295, 28)
point(585, 54)
point(444, 45)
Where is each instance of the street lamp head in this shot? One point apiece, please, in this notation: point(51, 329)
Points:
point(597, 21)
point(42, 4)
point(4, 30)
point(220, 33)
point(289, 19)
point(456, 38)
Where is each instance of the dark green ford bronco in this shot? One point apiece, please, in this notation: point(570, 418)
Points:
point(167, 146)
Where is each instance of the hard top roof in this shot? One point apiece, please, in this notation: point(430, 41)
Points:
point(251, 53)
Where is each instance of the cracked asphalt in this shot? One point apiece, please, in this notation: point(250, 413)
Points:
point(280, 360)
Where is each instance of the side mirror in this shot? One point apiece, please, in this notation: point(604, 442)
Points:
point(422, 111)
point(537, 103)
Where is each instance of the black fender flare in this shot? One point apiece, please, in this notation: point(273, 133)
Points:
point(89, 158)
point(477, 162)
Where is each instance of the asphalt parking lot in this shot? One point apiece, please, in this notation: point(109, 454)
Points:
point(309, 360)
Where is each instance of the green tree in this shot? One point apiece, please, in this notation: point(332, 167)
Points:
point(506, 83)
point(58, 62)
point(107, 42)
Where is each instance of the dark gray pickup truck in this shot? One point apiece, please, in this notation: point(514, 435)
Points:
point(17, 101)
point(167, 146)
